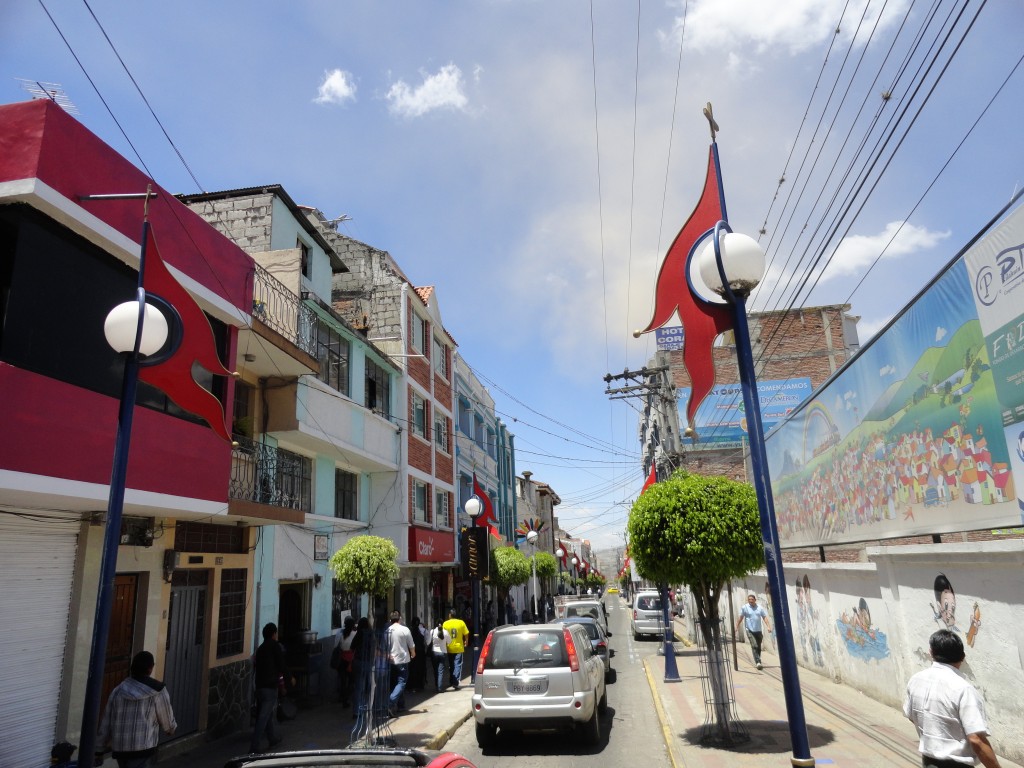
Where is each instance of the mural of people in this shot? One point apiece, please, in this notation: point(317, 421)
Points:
point(801, 617)
point(813, 625)
point(972, 633)
point(863, 640)
point(944, 607)
point(768, 608)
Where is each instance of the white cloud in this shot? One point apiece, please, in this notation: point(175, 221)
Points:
point(338, 87)
point(445, 90)
point(756, 27)
point(858, 252)
point(940, 334)
point(886, 370)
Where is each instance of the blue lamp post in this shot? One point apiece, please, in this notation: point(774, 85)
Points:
point(732, 265)
point(559, 554)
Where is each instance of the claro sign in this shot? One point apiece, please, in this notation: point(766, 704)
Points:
point(429, 546)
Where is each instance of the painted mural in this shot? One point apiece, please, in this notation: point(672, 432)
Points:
point(808, 623)
point(923, 431)
point(863, 640)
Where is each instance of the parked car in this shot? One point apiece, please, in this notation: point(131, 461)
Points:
point(539, 677)
point(353, 758)
point(598, 638)
point(646, 618)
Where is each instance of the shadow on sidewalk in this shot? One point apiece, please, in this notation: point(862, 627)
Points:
point(766, 737)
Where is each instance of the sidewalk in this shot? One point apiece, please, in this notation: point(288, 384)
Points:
point(844, 727)
point(429, 721)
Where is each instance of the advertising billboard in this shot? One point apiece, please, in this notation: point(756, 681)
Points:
point(923, 431)
point(721, 421)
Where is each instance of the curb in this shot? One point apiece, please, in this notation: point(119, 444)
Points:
point(441, 737)
point(662, 717)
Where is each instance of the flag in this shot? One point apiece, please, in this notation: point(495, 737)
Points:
point(173, 376)
point(487, 518)
point(651, 478)
point(701, 319)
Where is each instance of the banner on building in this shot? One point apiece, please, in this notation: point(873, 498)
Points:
point(923, 431)
point(721, 421)
point(669, 339)
point(475, 557)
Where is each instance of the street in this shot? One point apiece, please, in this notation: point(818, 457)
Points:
point(630, 730)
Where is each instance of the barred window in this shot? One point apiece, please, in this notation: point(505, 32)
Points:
point(345, 495)
point(204, 537)
point(441, 432)
point(441, 509)
point(419, 415)
point(231, 619)
point(440, 359)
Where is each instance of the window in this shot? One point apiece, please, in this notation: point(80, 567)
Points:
point(343, 603)
point(345, 495)
point(465, 417)
point(242, 414)
point(441, 510)
point(231, 618)
point(204, 537)
point(378, 389)
point(419, 334)
point(294, 479)
point(492, 445)
point(419, 415)
point(304, 259)
point(332, 351)
point(420, 511)
point(441, 432)
point(440, 359)
point(478, 432)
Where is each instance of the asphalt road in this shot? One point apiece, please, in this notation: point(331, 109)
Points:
point(630, 731)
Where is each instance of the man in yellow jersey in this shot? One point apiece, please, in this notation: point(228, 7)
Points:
point(459, 632)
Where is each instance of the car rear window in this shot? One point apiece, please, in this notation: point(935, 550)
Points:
point(648, 603)
point(544, 648)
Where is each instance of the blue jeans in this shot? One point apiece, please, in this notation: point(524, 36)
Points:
point(440, 661)
point(266, 718)
point(135, 762)
point(454, 669)
point(400, 674)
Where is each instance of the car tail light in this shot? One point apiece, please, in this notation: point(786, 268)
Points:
point(602, 644)
point(570, 649)
point(634, 614)
point(483, 653)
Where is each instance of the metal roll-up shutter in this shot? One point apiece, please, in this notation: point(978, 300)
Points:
point(37, 563)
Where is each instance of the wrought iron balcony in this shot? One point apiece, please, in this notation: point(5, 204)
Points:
point(283, 311)
point(269, 475)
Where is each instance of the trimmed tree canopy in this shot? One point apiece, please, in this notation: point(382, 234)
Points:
point(366, 565)
point(547, 565)
point(509, 567)
point(695, 530)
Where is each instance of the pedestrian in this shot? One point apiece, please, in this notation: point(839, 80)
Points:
point(751, 616)
point(137, 710)
point(362, 667)
point(418, 665)
point(345, 655)
point(269, 672)
point(947, 710)
point(459, 635)
point(401, 651)
point(438, 640)
point(510, 609)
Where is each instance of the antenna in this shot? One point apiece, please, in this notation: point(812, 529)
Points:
point(52, 91)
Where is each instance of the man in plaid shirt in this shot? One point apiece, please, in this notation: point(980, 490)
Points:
point(136, 712)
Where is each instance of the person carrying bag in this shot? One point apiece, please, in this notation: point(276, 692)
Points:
point(438, 640)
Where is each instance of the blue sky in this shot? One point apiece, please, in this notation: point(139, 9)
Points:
point(533, 159)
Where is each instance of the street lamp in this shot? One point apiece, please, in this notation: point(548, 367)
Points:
point(575, 576)
point(531, 539)
point(559, 554)
point(731, 265)
point(473, 508)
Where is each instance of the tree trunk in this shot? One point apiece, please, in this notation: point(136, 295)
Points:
point(710, 626)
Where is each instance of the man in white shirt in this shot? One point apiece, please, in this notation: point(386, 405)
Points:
point(947, 710)
point(752, 616)
point(401, 650)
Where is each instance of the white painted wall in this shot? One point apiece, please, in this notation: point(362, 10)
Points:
point(896, 585)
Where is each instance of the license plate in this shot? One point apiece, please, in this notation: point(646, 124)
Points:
point(526, 687)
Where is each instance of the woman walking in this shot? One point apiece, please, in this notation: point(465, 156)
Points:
point(346, 654)
point(438, 641)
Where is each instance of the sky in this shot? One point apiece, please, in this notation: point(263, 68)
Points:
point(533, 160)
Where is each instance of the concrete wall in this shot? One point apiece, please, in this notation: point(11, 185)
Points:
point(867, 625)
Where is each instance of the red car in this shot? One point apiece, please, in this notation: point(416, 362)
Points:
point(353, 758)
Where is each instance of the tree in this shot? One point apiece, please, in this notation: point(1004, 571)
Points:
point(509, 567)
point(547, 565)
point(702, 532)
point(366, 565)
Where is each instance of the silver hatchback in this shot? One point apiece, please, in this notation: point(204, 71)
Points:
point(647, 617)
point(539, 677)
